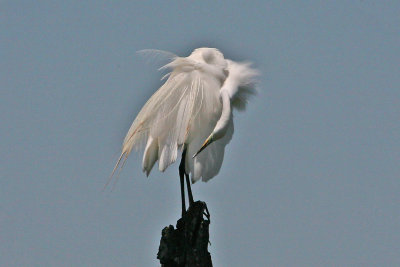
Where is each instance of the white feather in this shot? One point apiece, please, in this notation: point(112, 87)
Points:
point(157, 56)
point(186, 109)
point(208, 163)
point(240, 83)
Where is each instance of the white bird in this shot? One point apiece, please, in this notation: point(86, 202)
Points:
point(191, 113)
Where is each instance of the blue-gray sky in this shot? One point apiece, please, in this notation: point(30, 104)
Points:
point(310, 178)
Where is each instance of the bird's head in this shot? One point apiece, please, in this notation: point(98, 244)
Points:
point(210, 56)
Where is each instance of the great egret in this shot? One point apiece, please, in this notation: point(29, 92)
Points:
point(191, 113)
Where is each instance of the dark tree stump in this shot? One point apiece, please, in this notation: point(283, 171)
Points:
point(186, 246)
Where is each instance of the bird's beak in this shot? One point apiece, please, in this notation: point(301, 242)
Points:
point(208, 141)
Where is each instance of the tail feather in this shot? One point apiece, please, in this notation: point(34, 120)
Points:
point(115, 168)
point(119, 171)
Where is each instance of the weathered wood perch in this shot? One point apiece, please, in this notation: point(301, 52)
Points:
point(186, 246)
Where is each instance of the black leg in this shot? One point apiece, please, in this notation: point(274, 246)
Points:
point(181, 176)
point(189, 190)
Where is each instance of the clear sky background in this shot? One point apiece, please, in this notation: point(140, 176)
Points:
point(310, 178)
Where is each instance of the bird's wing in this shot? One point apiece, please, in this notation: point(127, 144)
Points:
point(183, 107)
point(240, 83)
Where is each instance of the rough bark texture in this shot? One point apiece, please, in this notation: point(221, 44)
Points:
point(186, 246)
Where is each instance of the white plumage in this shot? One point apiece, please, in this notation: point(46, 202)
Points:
point(194, 104)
